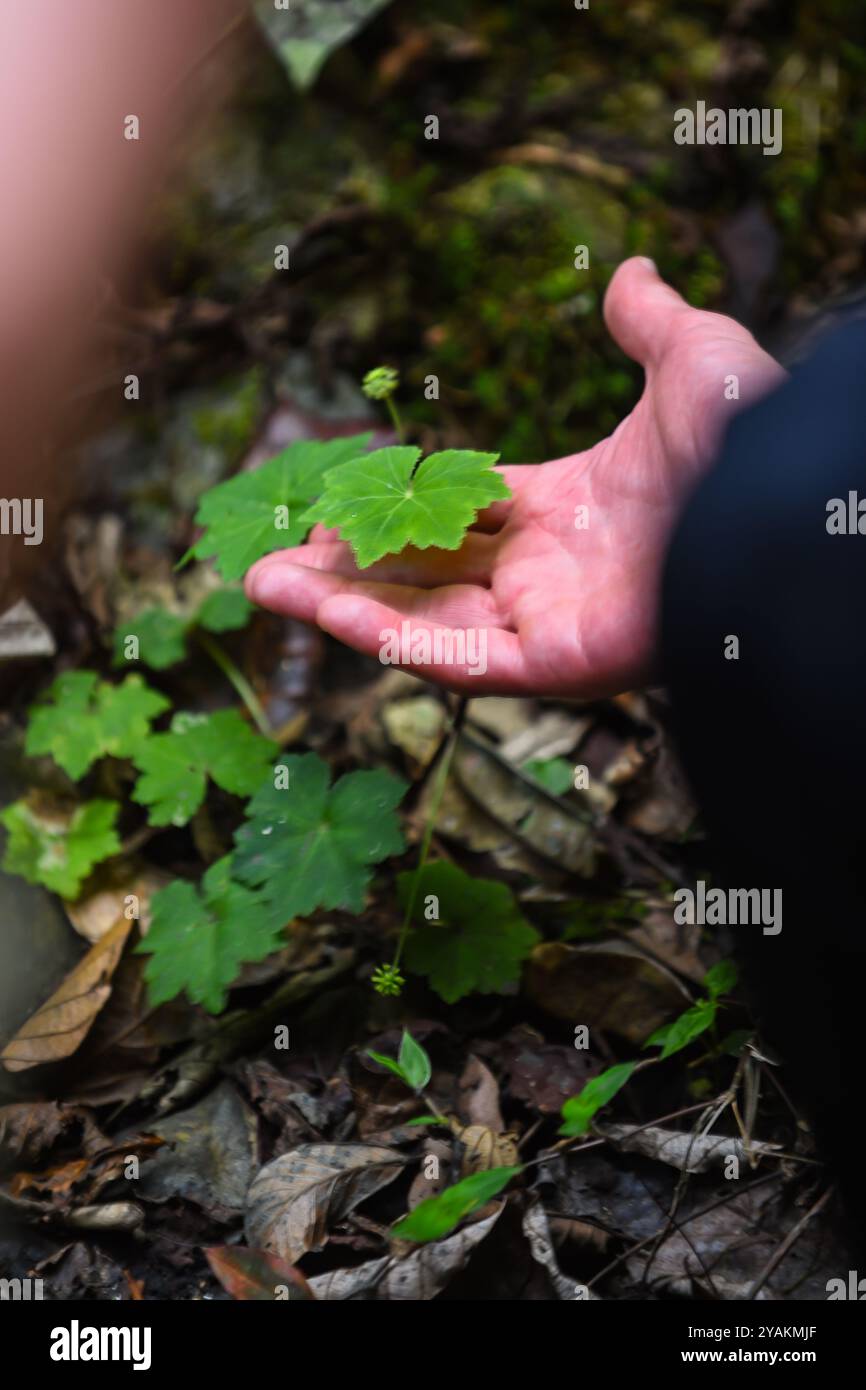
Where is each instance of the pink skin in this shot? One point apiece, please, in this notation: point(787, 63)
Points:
point(568, 611)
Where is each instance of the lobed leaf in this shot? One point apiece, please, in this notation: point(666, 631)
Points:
point(387, 500)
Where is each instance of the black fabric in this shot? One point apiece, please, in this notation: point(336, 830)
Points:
point(774, 743)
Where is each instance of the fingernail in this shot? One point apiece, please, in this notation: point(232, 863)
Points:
point(650, 265)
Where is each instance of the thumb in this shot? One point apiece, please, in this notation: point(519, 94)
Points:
point(641, 311)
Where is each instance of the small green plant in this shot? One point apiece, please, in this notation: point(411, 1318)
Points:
point(579, 1111)
point(437, 1216)
point(302, 843)
point(477, 939)
point(158, 637)
point(59, 850)
point(263, 510)
point(412, 1063)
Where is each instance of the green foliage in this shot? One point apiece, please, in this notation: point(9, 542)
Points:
point(175, 765)
point(199, 938)
point(578, 1111)
point(224, 610)
point(309, 844)
point(436, 1216)
point(673, 1037)
point(161, 638)
point(80, 719)
point(721, 979)
point(479, 939)
point(59, 852)
point(387, 500)
point(554, 774)
point(412, 1064)
point(162, 634)
point(254, 513)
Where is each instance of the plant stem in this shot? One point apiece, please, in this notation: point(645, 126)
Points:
point(238, 680)
point(395, 419)
point(435, 803)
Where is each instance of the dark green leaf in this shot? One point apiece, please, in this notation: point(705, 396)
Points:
point(310, 844)
point(479, 938)
point(578, 1111)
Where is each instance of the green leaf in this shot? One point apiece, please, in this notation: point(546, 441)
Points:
point(430, 1120)
point(59, 852)
point(175, 765)
point(578, 1111)
point(554, 774)
point(413, 1065)
point(81, 718)
point(721, 979)
point(199, 939)
point(304, 35)
point(161, 639)
point(162, 635)
point(254, 513)
point(381, 505)
point(480, 937)
point(436, 1216)
point(224, 610)
point(673, 1037)
point(389, 1062)
point(414, 1062)
point(311, 845)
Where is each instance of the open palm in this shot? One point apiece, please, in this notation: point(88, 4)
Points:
point(563, 578)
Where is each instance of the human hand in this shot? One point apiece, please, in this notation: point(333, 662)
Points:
point(567, 599)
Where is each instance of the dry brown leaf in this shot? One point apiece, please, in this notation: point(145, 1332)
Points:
point(420, 1275)
point(690, 1153)
point(484, 1149)
point(478, 1096)
point(95, 914)
point(611, 986)
point(293, 1200)
point(63, 1021)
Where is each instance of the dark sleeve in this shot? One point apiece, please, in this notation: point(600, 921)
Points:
point(774, 741)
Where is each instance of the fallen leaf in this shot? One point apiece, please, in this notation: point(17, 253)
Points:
point(293, 1200)
point(478, 1096)
point(255, 1276)
point(420, 1275)
point(63, 1021)
point(690, 1153)
point(537, 1232)
point(611, 986)
point(483, 1148)
point(208, 1156)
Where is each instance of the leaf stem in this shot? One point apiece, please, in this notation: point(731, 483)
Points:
point(435, 802)
point(234, 674)
point(396, 419)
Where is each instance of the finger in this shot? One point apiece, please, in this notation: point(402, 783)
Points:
point(641, 311)
point(471, 564)
point(298, 591)
point(494, 517)
point(323, 533)
point(469, 659)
